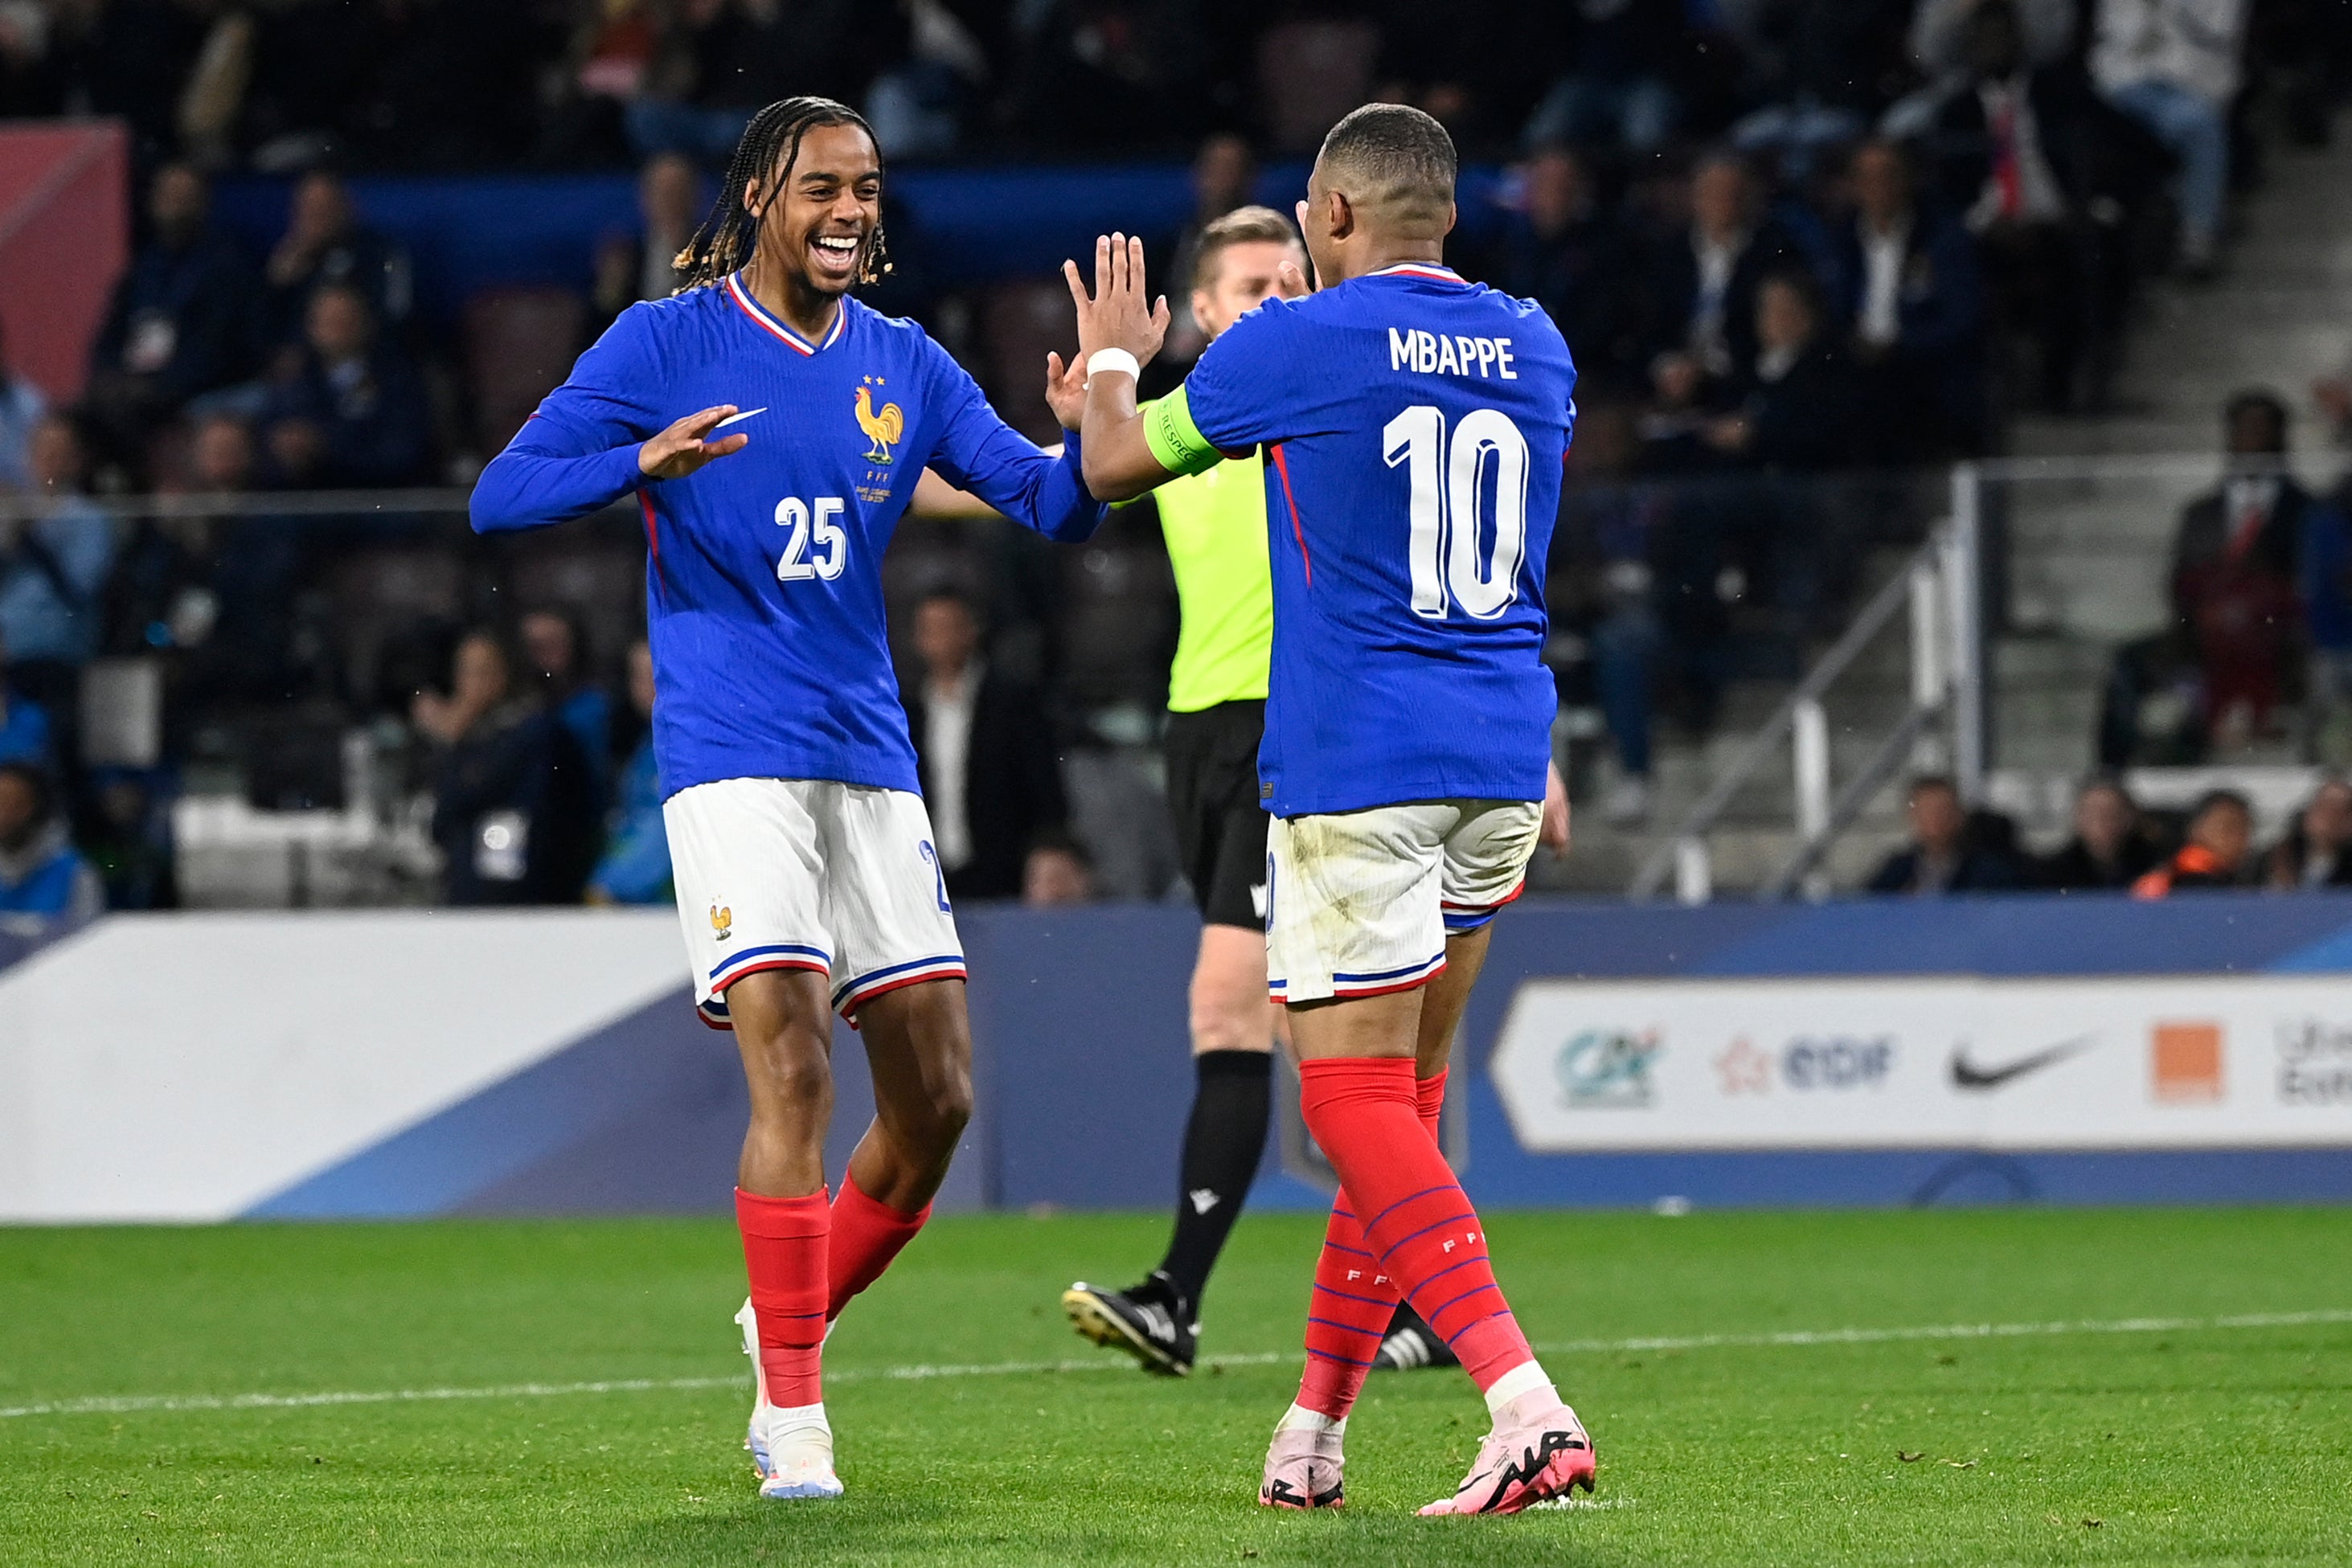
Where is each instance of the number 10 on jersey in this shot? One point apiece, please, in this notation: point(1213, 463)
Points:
point(1461, 558)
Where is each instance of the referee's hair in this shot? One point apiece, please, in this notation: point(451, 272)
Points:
point(1243, 226)
point(1395, 163)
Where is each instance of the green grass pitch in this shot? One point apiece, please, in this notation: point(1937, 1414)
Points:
point(2203, 1438)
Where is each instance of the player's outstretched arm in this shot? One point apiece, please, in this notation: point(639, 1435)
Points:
point(1119, 324)
point(553, 471)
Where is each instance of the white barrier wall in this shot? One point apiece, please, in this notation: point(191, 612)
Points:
point(187, 1066)
point(2248, 1061)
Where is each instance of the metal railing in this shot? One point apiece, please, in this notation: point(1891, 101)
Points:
point(1940, 585)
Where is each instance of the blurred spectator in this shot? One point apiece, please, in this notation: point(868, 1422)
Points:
point(1702, 282)
point(2110, 849)
point(213, 593)
point(1914, 305)
point(1565, 251)
point(23, 725)
point(511, 804)
point(1948, 852)
point(985, 751)
point(630, 268)
point(183, 320)
point(1056, 872)
point(128, 58)
point(22, 407)
point(349, 410)
point(1620, 86)
point(40, 871)
point(2006, 139)
point(326, 243)
point(1800, 406)
point(53, 568)
point(1609, 527)
point(30, 81)
point(2317, 850)
point(2173, 66)
point(918, 108)
point(129, 839)
point(635, 868)
point(716, 62)
point(555, 644)
point(1939, 31)
point(1129, 70)
point(2237, 565)
point(1224, 176)
point(2221, 834)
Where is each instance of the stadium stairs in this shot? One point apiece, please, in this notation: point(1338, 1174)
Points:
point(2086, 555)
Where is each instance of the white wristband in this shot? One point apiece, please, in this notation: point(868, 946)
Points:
point(1117, 360)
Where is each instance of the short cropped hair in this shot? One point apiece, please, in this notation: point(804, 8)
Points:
point(2217, 800)
point(1392, 156)
point(1243, 226)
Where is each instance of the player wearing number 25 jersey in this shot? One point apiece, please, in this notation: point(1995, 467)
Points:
point(763, 570)
point(772, 430)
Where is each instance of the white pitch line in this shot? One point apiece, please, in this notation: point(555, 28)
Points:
point(130, 1404)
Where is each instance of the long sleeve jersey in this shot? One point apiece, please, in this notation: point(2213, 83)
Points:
point(763, 568)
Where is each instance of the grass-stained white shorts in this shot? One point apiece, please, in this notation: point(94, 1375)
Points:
point(808, 873)
point(1360, 902)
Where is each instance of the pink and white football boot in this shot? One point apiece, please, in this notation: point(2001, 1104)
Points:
point(1536, 1450)
point(1303, 1462)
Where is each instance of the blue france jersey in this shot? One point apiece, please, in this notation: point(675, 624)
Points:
point(1414, 427)
point(763, 568)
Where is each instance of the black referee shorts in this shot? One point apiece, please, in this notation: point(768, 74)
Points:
point(1219, 825)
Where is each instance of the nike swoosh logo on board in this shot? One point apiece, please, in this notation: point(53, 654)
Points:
point(1967, 1074)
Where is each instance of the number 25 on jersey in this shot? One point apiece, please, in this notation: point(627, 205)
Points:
point(818, 531)
point(1460, 558)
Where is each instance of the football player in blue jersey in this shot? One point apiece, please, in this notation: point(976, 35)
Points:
point(772, 430)
point(1412, 427)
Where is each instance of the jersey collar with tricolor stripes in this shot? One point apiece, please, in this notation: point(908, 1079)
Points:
point(1428, 269)
point(791, 340)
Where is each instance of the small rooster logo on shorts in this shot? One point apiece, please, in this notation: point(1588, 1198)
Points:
point(722, 921)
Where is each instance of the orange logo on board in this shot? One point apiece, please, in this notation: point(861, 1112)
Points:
point(2185, 1061)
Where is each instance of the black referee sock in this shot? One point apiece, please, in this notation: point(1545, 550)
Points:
point(1223, 1141)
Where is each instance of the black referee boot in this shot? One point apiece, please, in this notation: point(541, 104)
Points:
point(1151, 1321)
point(1411, 1342)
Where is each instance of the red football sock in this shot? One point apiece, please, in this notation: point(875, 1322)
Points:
point(1429, 1104)
point(1354, 1299)
point(1364, 1113)
point(866, 1235)
point(783, 1251)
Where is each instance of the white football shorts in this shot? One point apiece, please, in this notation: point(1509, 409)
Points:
point(807, 874)
point(1359, 903)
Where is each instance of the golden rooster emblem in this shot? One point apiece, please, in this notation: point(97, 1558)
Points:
point(884, 429)
point(722, 921)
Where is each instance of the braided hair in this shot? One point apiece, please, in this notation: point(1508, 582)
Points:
point(770, 145)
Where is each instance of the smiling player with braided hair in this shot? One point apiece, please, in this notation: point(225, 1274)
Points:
point(772, 429)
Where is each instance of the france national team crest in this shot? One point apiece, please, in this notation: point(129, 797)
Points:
point(722, 921)
point(885, 427)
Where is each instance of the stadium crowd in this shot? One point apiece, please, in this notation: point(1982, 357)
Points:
point(1799, 247)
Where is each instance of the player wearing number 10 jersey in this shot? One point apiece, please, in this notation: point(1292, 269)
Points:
point(1413, 427)
point(772, 429)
